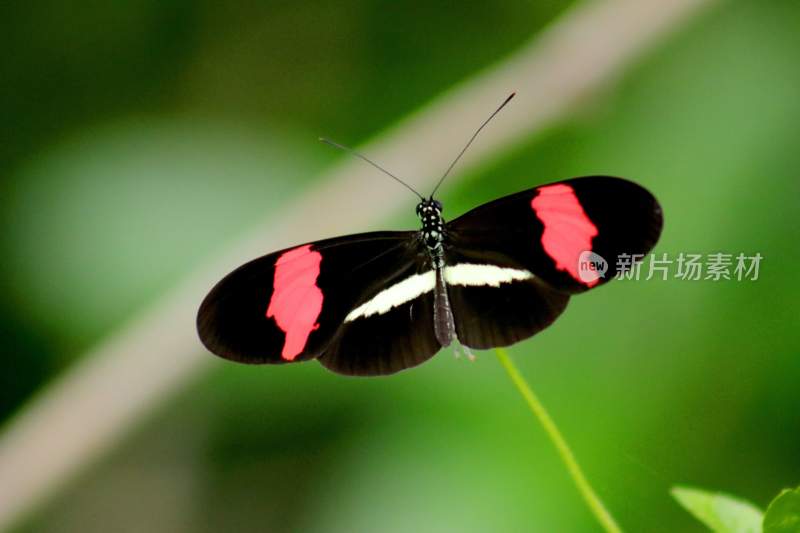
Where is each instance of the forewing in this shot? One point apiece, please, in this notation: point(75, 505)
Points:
point(287, 306)
point(554, 230)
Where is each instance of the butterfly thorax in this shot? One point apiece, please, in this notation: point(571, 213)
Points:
point(430, 213)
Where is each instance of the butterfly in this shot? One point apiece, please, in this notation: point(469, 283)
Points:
point(377, 303)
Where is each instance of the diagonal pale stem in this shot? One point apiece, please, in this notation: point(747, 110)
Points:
point(565, 453)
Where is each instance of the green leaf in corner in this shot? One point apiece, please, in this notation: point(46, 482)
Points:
point(720, 512)
point(783, 514)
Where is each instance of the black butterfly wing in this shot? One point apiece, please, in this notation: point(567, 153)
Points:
point(290, 306)
point(551, 229)
point(520, 255)
point(497, 301)
point(387, 338)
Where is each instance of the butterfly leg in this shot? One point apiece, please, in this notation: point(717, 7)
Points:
point(468, 353)
point(460, 349)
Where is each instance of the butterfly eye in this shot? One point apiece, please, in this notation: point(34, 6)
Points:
point(438, 205)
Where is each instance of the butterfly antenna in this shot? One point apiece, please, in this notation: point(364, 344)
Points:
point(485, 122)
point(374, 164)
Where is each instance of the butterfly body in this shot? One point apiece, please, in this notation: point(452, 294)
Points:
point(433, 235)
point(377, 303)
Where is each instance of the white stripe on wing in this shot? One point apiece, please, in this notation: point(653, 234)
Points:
point(397, 294)
point(473, 275)
point(463, 274)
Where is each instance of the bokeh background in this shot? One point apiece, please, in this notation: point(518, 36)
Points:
point(138, 139)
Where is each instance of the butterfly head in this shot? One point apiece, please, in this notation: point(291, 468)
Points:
point(430, 213)
point(429, 208)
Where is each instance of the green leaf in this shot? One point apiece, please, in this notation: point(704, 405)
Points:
point(720, 512)
point(783, 513)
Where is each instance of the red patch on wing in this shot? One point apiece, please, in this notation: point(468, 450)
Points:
point(296, 300)
point(567, 229)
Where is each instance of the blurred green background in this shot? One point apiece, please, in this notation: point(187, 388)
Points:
point(137, 139)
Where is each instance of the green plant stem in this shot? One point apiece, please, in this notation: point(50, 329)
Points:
point(590, 497)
